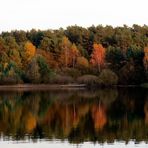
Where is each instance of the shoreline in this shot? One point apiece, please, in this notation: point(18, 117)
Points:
point(75, 86)
point(28, 87)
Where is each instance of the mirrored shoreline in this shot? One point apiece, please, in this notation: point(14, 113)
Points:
point(97, 116)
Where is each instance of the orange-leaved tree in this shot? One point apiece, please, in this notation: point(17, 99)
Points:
point(98, 56)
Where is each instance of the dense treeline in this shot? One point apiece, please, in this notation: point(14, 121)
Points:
point(94, 55)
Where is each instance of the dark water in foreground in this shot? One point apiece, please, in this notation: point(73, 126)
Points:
point(76, 118)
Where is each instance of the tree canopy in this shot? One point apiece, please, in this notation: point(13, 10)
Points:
point(123, 50)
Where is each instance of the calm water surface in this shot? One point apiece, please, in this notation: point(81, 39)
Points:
point(74, 118)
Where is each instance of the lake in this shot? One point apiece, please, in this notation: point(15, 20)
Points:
point(74, 118)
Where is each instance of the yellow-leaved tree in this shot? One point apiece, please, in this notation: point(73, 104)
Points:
point(28, 53)
point(69, 53)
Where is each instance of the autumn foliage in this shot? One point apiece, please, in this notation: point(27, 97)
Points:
point(30, 50)
point(69, 53)
point(82, 62)
point(65, 52)
point(74, 52)
point(98, 56)
point(28, 53)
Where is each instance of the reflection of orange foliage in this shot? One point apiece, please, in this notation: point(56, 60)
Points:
point(63, 113)
point(66, 116)
point(83, 110)
point(75, 117)
point(3, 126)
point(49, 116)
point(30, 122)
point(16, 116)
point(99, 116)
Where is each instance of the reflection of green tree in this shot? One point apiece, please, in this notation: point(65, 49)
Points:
point(46, 102)
point(10, 112)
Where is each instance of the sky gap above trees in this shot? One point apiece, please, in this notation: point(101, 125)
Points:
point(43, 14)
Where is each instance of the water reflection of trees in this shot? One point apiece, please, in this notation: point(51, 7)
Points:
point(103, 115)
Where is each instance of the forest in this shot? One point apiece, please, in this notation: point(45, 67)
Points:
point(97, 55)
